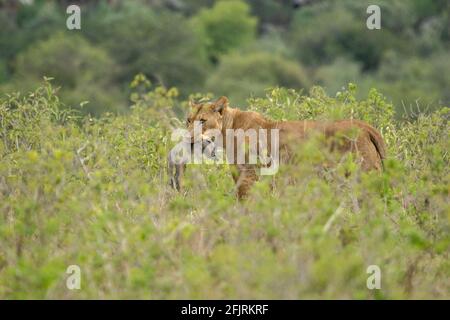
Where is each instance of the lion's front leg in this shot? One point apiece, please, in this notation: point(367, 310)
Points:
point(246, 177)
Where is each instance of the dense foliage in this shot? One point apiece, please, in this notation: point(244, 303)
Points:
point(93, 192)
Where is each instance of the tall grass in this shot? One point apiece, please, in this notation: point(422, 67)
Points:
point(94, 193)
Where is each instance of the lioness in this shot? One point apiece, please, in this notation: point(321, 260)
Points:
point(344, 136)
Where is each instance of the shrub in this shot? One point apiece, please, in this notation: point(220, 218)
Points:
point(416, 81)
point(225, 26)
point(340, 32)
point(239, 75)
point(146, 41)
point(85, 73)
point(31, 23)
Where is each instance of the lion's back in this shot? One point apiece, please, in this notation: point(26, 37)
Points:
point(343, 136)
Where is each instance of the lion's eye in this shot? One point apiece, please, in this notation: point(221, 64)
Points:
point(202, 121)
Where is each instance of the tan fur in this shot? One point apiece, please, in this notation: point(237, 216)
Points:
point(363, 139)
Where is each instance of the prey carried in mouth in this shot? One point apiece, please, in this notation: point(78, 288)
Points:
point(179, 157)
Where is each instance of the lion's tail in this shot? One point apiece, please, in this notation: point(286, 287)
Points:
point(378, 142)
point(376, 139)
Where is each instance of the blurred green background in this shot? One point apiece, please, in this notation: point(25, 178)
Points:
point(226, 47)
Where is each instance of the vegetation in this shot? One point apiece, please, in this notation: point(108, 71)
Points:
point(225, 27)
point(85, 72)
point(256, 71)
point(94, 193)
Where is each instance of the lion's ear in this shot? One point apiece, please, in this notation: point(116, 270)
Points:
point(221, 104)
point(194, 105)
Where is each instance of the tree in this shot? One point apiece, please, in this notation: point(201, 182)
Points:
point(158, 44)
point(225, 26)
point(23, 25)
point(416, 81)
point(320, 36)
point(3, 71)
point(241, 76)
point(84, 72)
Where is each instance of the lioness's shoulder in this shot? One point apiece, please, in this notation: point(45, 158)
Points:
point(247, 119)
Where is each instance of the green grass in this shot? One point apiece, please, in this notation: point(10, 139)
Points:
point(94, 193)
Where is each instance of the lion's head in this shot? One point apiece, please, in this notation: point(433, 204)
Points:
point(205, 122)
point(208, 114)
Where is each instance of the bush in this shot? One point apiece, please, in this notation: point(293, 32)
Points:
point(3, 71)
point(239, 75)
point(334, 76)
point(225, 26)
point(31, 23)
point(416, 82)
point(85, 73)
point(146, 41)
point(321, 37)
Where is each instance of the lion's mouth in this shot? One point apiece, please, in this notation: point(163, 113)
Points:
point(208, 148)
